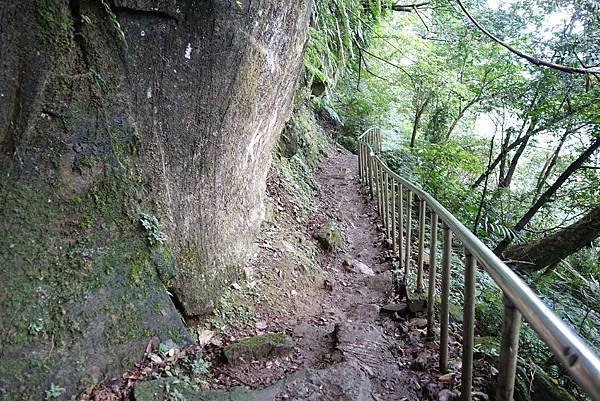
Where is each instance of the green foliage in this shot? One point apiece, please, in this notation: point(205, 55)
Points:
point(443, 170)
point(54, 392)
point(114, 20)
point(341, 28)
point(154, 235)
point(200, 366)
point(440, 81)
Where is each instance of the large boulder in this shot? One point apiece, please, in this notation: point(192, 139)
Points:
point(135, 138)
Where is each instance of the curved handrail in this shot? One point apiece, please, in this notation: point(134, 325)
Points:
point(582, 364)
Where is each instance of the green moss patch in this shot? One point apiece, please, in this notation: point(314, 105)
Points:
point(268, 345)
point(331, 237)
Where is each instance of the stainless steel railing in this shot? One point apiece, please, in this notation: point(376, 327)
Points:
point(582, 364)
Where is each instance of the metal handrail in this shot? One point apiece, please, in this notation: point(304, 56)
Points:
point(582, 364)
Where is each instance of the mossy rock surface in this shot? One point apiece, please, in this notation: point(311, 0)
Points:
point(167, 388)
point(258, 347)
point(331, 237)
point(342, 381)
point(83, 286)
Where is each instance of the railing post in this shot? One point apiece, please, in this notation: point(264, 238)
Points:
point(409, 197)
point(359, 153)
point(468, 327)
point(386, 203)
point(365, 163)
point(400, 226)
point(421, 245)
point(378, 184)
point(361, 159)
point(511, 326)
point(393, 199)
point(370, 172)
point(380, 189)
point(445, 295)
point(432, 273)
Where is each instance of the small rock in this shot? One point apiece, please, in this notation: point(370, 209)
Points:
point(416, 306)
point(393, 308)
point(261, 326)
point(155, 358)
point(445, 395)
point(205, 336)
point(355, 266)
point(419, 323)
point(331, 237)
point(448, 377)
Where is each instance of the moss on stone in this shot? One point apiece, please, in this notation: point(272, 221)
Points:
point(68, 266)
point(331, 237)
point(258, 347)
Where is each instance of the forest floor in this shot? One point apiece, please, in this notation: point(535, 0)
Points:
point(346, 346)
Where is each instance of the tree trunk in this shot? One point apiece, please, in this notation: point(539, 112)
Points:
point(484, 193)
point(544, 252)
point(507, 178)
point(418, 114)
point(546, 196)
point(519, 140)
point(461, 113)
point(499, 159)
point(504, 154)
point(114, 114)
point(547, 170)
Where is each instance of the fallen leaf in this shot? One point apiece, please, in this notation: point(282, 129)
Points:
point(447, 377)
point(205, 336)
point(149, 347)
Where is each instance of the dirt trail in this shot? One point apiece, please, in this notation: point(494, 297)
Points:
point(361, 358)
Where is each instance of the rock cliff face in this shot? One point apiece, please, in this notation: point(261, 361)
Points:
point(122, 122)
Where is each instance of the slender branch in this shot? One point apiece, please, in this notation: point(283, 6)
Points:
point(485, 188)
point(360, 58)
point(370, 72)
point(387, 62)
point(526, 56)
point(407, 8)
point(421, 18)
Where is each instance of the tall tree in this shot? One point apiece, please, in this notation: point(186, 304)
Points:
point(551, 249)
